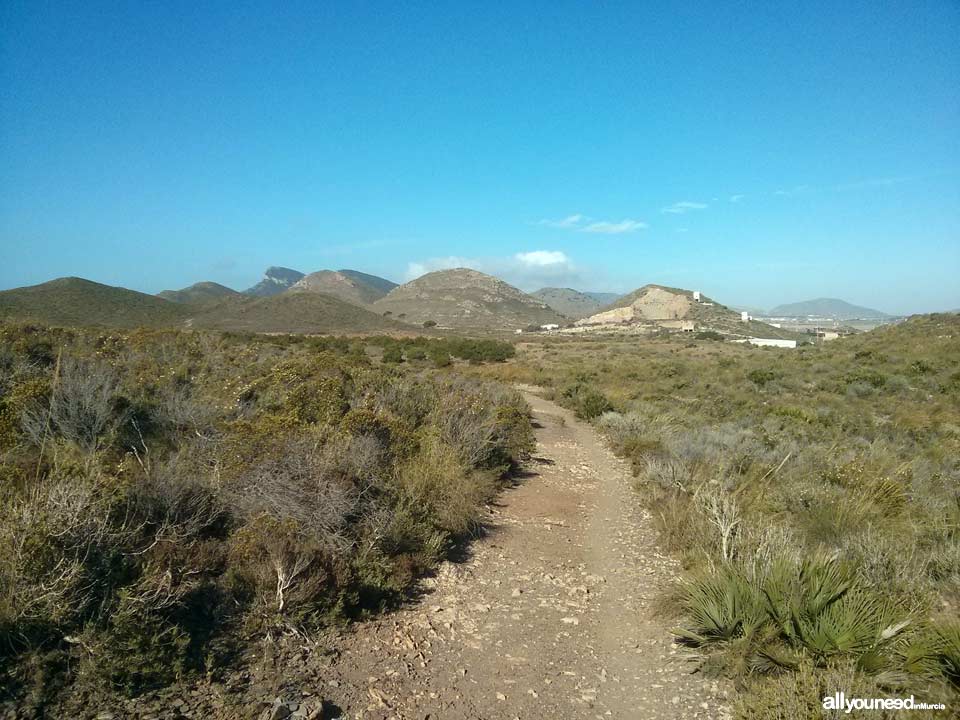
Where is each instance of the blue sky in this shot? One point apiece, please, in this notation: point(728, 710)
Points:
point(761, 152)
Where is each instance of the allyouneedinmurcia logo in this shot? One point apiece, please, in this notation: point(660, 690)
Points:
point(840, 701)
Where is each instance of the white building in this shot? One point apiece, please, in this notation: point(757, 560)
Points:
point(550, 326)
point(770, 342)
point(744, 316)
point(696, 296)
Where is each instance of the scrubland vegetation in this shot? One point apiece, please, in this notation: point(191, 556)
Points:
point(812, 494)
point(169, 498)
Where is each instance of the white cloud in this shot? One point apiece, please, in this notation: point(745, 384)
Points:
point(684, 206)
point(615, 228)
point(736, 198)
point(542, 258)
point(570, 221)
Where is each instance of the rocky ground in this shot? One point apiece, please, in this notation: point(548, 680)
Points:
point(552, 615)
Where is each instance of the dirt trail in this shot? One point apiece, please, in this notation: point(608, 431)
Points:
point(551, 616)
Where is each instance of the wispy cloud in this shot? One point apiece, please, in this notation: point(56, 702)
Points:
point(583, 223)
point(684, 206)
point(792, 192)
point(605, 227)
point(736, 198)
point(571, 221)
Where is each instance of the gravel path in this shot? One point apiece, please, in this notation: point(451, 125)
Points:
point(551, 617)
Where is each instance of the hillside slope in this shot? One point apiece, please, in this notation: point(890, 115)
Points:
point(826, 308)
point(466, 299)
point(604, 298)
point(293, 312)
point(569, 302)
point(75, 301)
point(375, 281)
point(198, 293)
point(354, 288)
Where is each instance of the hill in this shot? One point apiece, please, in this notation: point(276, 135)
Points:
point(466, 299)
point(293, 312)
point(826, 308)
point(75, 301)
point(659, 306)
point(604, 298)
point(275, 281)
point(566, 301)
point(199, 293)
point(355, 287)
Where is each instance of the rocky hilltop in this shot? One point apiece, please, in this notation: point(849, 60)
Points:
point(199, 293)
point(466, 299)
point(356, 288)
point(658, 307)
point(275, 281)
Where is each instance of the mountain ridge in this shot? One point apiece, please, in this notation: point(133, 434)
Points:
point(833, 308)
point(78, 301)
point(467, 299)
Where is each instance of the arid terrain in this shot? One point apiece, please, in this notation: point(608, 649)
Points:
point(552, 613)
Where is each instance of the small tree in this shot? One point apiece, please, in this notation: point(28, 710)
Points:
point(429, 323)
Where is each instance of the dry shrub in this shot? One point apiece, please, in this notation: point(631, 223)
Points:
point(82, 406)
point(436, 480)
point(303, 482)
point(285, 566)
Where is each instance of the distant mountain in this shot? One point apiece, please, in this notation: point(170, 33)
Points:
point(275, 281)
point(350, 286)
point(466, 299)
point(75, 301)
point(566, 301)
point(827, 308)
point(755, 311)
point(199, 293)
point(604, 298)
point(292, 312)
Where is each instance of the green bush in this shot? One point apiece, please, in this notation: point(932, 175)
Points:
point(586, 401)
point(439, 357)
point(761, 376)
point(709, 335)
point(392, 354)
